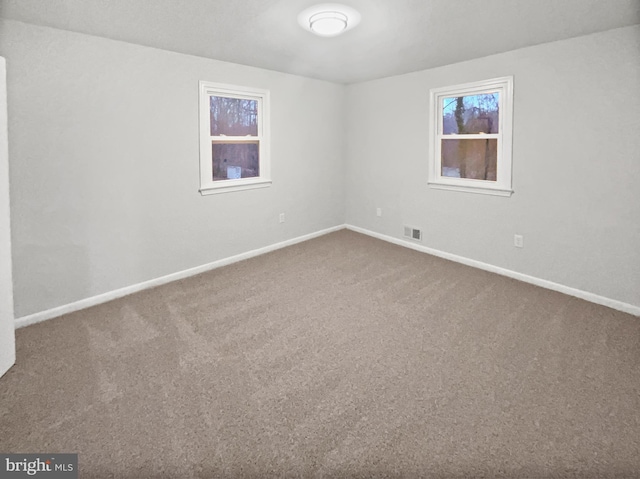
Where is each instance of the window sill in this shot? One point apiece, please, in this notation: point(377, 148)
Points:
point(472, 189)
point(229, 186)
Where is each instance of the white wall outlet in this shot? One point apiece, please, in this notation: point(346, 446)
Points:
point(518, 241)
point(378, 211)
point(281, 217)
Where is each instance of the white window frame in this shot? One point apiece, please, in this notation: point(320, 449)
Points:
point(207, 185)
point(502, 185)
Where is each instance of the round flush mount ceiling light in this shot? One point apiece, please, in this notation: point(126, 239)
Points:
point(328, 19)
point(328, 23)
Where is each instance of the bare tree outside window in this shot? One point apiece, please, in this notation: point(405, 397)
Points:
point(470, 115)
point(234, 117)
point(228, 157)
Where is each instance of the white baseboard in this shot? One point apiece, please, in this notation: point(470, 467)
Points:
point(594, 298)
point(119, 293)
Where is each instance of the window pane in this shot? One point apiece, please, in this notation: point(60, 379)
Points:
point(474, 159)
point(470, 114)
point(233, 116)
point(235, 160)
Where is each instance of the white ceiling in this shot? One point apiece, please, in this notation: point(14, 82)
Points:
point(394, 36)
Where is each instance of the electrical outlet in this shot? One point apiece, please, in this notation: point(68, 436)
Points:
point(378, 211)
point(518, 241)
point(281, 217)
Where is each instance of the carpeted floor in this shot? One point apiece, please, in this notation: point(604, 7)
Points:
point(343, 356)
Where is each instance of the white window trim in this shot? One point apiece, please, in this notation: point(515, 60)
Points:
point(502, 185)
point(207, 185)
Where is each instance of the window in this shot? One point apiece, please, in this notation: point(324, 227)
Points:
point(471, 129)
point(234, 138)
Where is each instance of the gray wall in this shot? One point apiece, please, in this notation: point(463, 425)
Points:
point(576, 164)
point(104, 165)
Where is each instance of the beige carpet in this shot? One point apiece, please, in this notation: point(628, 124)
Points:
point(340, 357)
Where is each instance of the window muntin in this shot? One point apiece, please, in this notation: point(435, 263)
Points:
point(471, 137)
point(234, 153)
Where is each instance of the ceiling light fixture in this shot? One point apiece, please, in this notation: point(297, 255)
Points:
point(328, 19)
point(328, 23)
